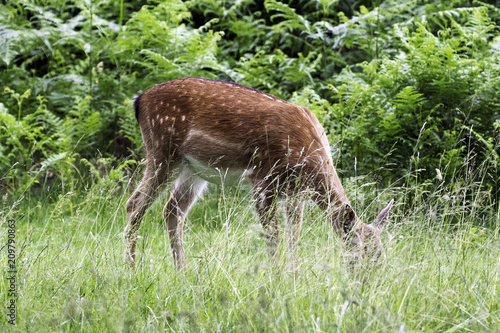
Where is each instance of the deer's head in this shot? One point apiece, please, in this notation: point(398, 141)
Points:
point(363, 241)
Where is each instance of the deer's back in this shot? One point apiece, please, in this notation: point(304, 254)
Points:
point(228, 125)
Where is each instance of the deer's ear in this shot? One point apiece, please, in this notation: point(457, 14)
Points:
point(348, 219)
point(382, 217)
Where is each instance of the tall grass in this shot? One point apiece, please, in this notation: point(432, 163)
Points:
point(441, 272)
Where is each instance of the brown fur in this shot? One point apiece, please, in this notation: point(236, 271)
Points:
point(223, 125)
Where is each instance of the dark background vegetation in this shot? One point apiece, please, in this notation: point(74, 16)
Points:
point(408, 91)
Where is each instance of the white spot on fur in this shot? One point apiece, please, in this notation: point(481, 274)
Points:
point(161, 120)
point(174, 107)
point(269, 97)
point(161, 103)
point(183, 118)
point(304, 111)
point(166, 118)
point(157, 116)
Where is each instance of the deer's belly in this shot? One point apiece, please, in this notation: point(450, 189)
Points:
point(218, 175)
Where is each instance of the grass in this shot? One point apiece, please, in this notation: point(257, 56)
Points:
point(441, 272)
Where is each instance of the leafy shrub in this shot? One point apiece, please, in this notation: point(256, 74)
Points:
point(399, 85)
point(69, 76)
point(419, 110)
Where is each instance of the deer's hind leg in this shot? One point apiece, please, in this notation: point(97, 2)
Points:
point(146, 193)
point(187, 190)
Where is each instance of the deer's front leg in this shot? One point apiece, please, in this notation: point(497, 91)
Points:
point(266, 208)
point(187, 189)
point(295, 212)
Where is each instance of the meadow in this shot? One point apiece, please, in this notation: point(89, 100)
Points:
point(441, 271)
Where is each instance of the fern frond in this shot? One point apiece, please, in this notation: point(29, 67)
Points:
point(291, 19)
point(51, 160)
point(409, 97)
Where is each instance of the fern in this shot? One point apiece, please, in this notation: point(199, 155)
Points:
point(409, 99)
point(51, 160)
point(373, 72)
point(290, 20)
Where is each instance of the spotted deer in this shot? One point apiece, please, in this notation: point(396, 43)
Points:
point(197, 131)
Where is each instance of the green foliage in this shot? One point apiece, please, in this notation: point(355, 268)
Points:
point(164, 48)
point(400, 86)
point(421, 106)
point(69, 75)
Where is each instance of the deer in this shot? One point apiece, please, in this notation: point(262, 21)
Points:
point(195, 130)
